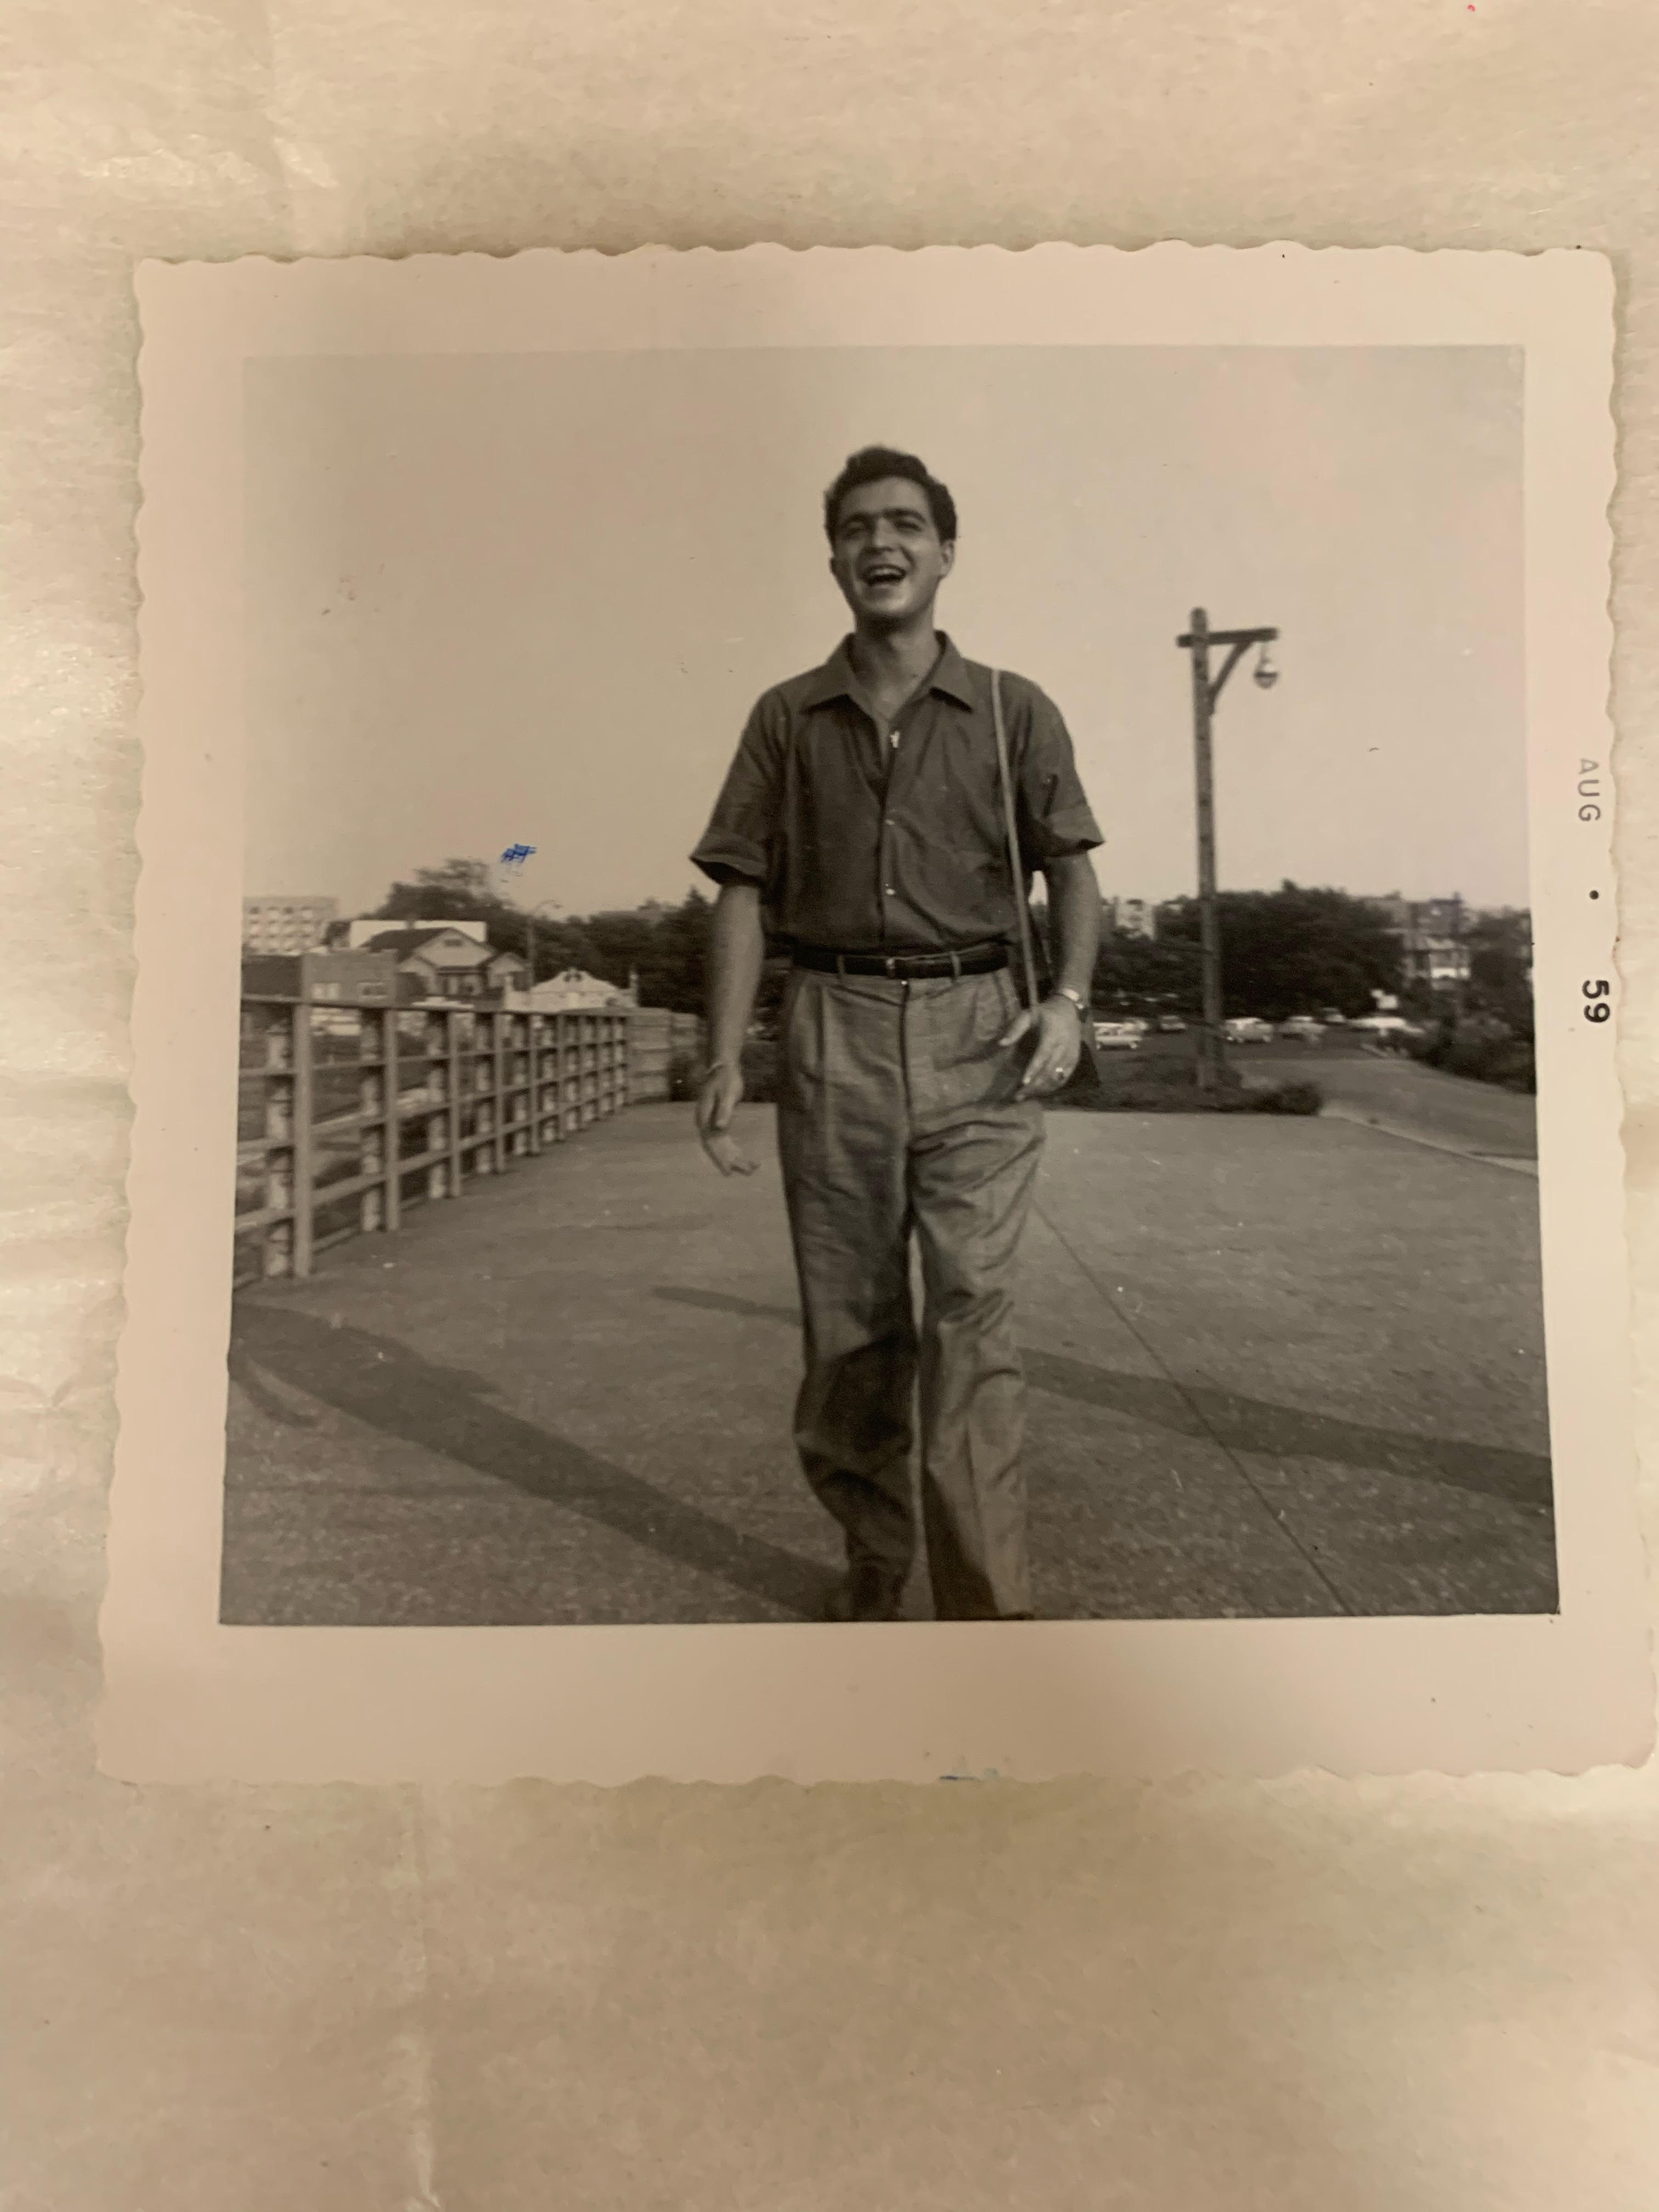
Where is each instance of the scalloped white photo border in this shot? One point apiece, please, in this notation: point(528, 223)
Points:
point(187, 1698)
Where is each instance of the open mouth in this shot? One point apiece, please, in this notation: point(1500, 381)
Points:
point(883, 575)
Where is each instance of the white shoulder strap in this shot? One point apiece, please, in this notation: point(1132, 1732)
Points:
point(1010, 824)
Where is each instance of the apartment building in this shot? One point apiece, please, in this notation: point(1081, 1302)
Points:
point(290, 923)
point(1432, 934)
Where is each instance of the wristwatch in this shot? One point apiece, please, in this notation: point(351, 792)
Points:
point(1076, 998)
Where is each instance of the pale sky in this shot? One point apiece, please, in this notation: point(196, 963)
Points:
point(531, 598)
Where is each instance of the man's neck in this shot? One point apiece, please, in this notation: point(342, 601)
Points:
point(886, 660)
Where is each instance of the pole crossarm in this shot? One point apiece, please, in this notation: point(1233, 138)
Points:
point(1239, 642)
point(1241, 638)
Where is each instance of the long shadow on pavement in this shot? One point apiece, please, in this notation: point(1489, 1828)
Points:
point(1247, 1424)
point(444, 1409)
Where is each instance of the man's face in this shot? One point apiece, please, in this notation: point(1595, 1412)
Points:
point(888, 557)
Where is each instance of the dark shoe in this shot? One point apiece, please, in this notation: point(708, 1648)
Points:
point(869, 1593)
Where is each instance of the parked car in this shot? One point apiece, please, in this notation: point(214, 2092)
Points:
point(1248, 1029)
point(1117, 1036)
point(1332, 1015)
point(1304, 1026)
point(1384, 1027)
point(1171, 1024)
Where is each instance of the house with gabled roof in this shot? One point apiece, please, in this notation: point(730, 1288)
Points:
point(443, 961)
point(571, 991)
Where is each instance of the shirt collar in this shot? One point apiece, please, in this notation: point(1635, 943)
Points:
point(835, 679)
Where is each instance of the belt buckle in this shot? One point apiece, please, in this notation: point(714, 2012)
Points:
point(890, 967)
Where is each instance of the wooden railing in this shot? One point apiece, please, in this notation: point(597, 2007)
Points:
point(349, 1115)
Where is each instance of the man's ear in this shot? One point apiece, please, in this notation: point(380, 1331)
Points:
point(949, 550)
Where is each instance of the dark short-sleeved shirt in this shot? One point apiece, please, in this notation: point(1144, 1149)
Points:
point(866, 846)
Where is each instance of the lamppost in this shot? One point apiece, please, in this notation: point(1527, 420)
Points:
point(1206, 690)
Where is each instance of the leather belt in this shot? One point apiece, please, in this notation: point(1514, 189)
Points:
point(904, 967)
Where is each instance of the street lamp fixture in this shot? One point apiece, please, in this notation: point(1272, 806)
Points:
point(1198, 641)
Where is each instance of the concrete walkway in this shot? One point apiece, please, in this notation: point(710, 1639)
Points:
point(1278, 1367)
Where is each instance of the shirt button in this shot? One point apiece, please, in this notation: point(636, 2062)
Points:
point(888, 891)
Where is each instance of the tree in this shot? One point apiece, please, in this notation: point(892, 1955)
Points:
point(1294, 951)
point(1138, 975)
point(459, 890)
point(1500, 969)
point(666, 950)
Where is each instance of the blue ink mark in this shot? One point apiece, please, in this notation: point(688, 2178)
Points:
point(516, 855)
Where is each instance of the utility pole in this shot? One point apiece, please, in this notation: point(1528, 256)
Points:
point(1206, 690)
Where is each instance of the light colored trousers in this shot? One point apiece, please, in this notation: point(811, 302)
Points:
point(896, 1118)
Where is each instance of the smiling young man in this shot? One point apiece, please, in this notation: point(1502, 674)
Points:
point(863, 818)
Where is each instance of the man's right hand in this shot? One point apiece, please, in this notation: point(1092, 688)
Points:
point(717, 1101)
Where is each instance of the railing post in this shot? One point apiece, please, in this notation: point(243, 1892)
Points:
point(452, 1041)
point(371, 1124)
point(533, 1070)
point(483, 1113)
point(436, 1066)
point(558, 1077)
point(498, 1022)
point(392, 1098)
point(276, 1032)
point(303, 1148)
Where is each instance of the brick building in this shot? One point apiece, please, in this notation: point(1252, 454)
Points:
point(347, 979)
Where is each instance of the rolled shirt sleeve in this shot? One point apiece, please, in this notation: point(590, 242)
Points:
point(1055, 818)
point(741, 844)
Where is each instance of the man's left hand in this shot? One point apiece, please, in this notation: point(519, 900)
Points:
point(1058, 1028)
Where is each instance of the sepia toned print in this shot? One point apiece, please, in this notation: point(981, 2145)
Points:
point(1224, 1441)
point(898, 986)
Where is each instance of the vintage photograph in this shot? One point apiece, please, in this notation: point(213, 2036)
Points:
point(682, 1179)
point(872, 1032)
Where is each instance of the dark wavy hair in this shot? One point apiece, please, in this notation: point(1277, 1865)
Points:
point(873, 465)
